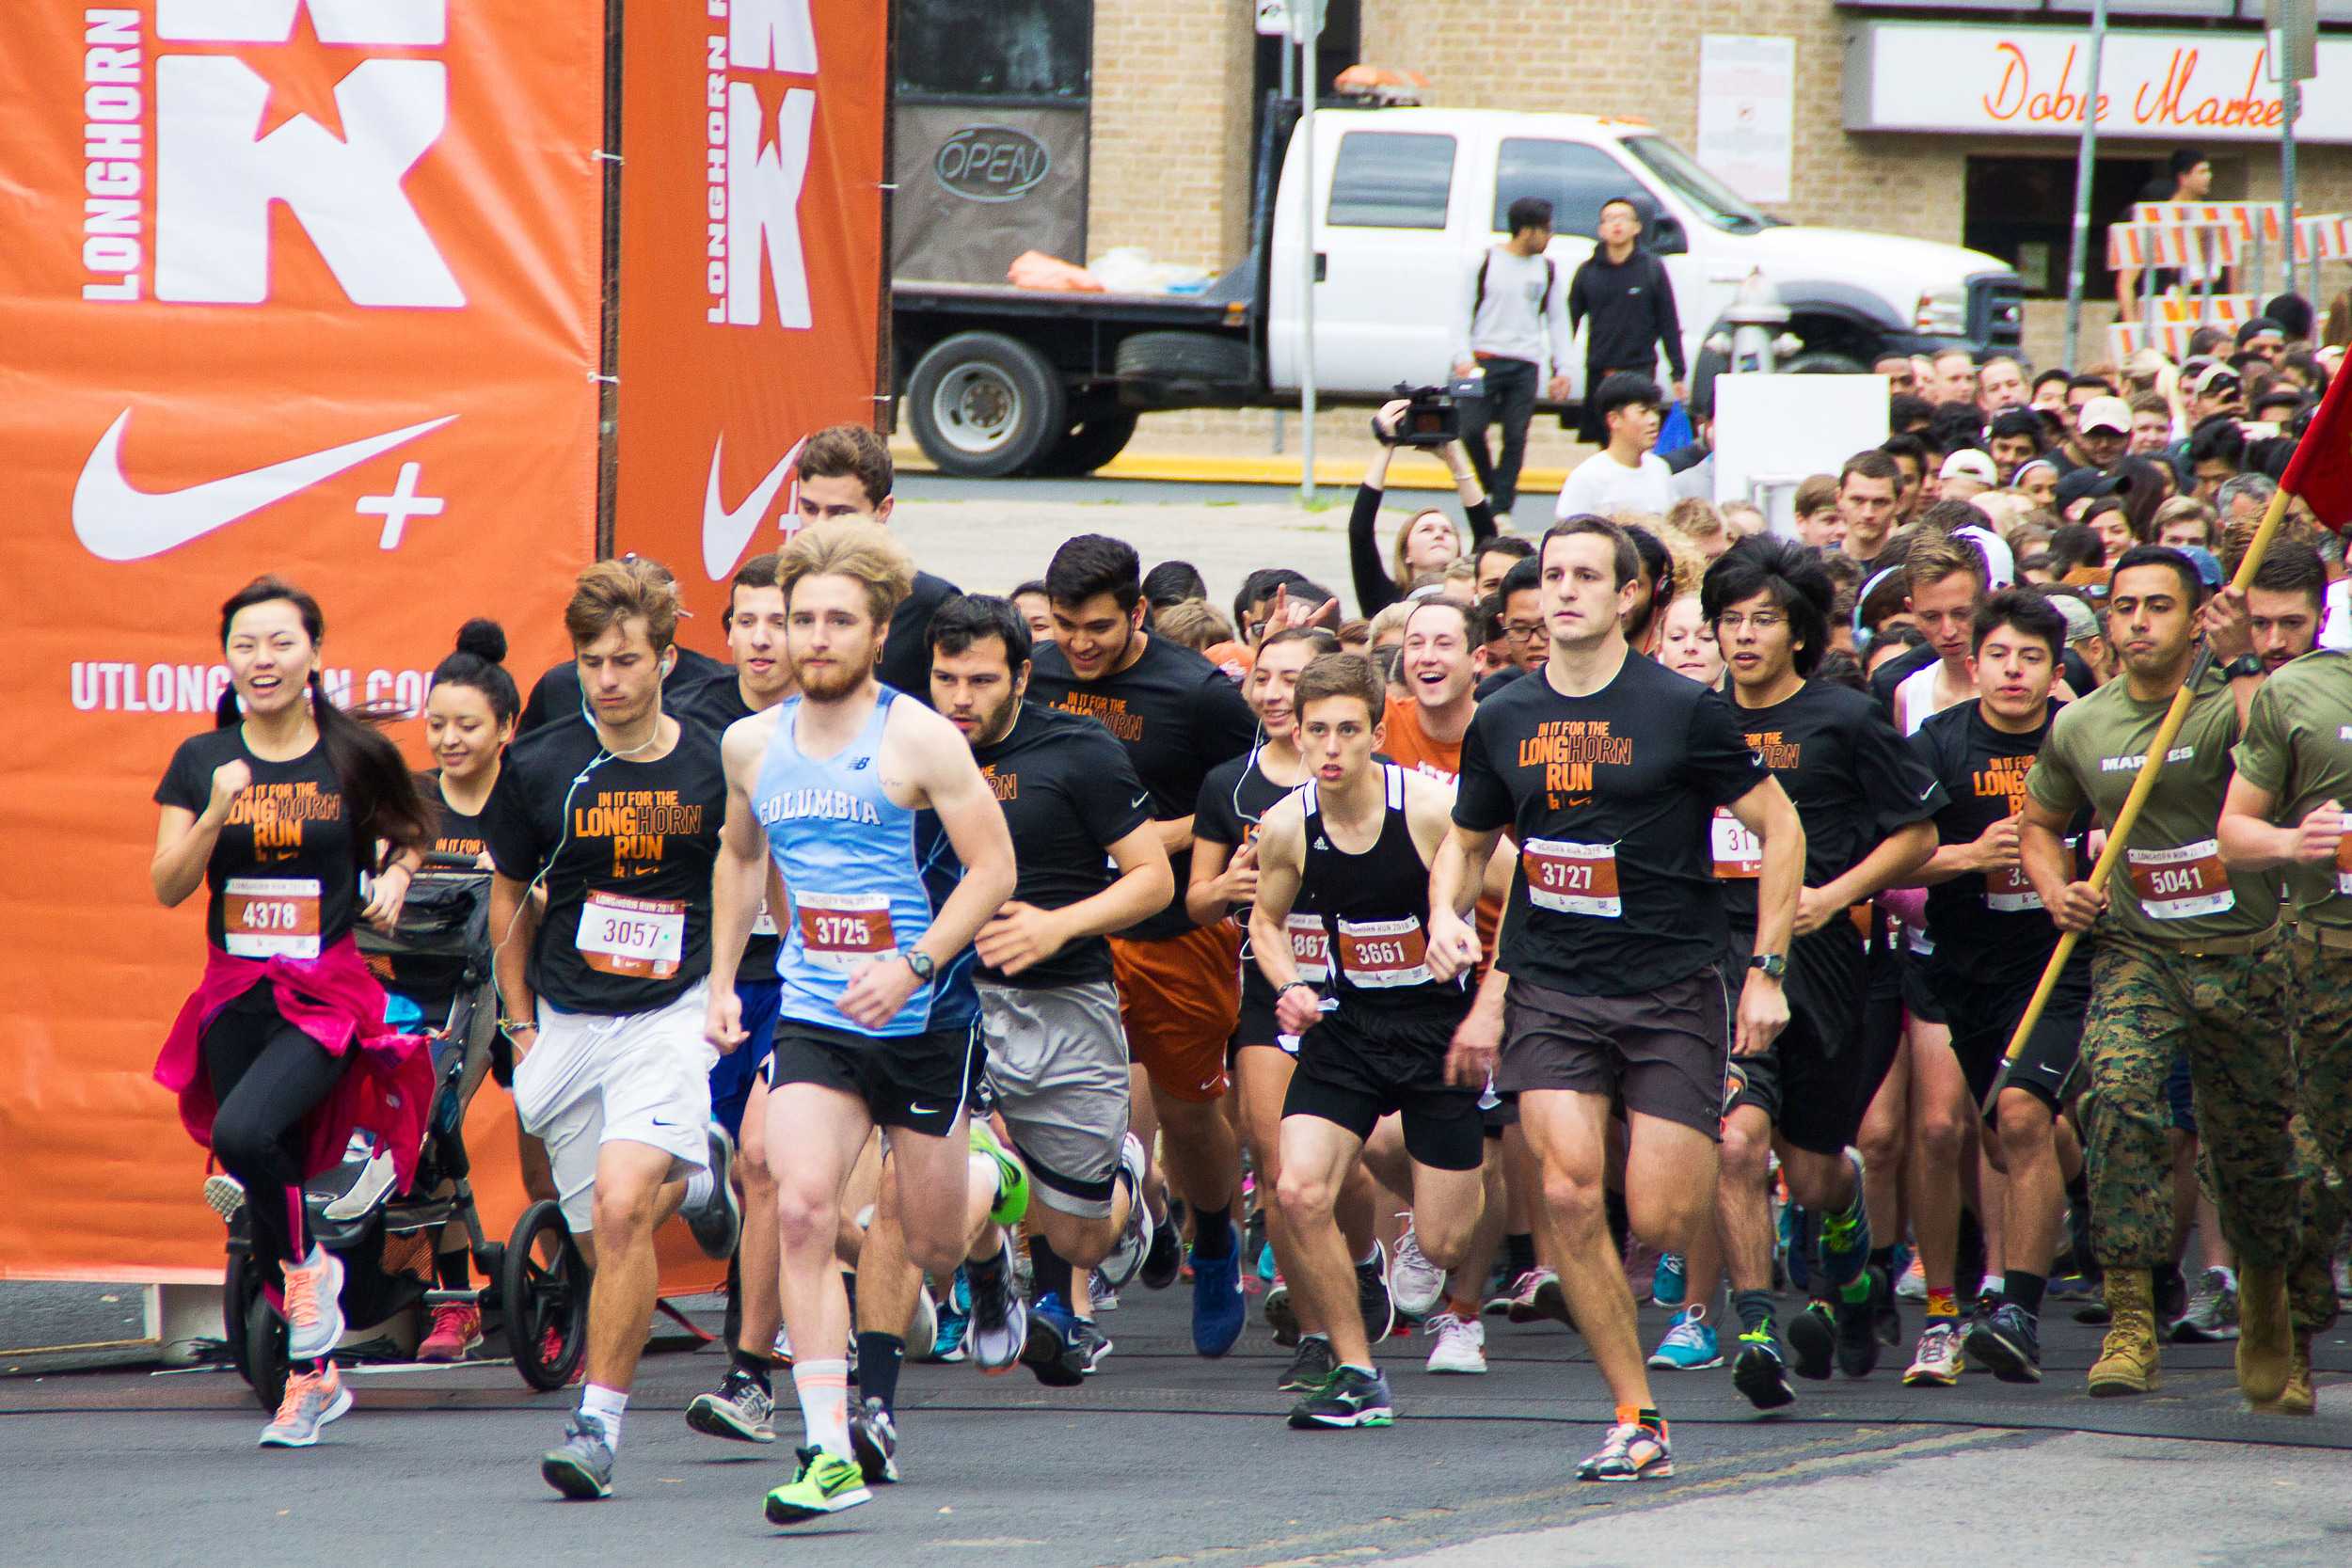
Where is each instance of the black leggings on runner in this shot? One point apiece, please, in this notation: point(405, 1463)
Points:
point(267, 1077)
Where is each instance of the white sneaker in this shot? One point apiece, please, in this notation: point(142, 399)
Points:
point(1461, 1345)
point(1913, 1286)
point(1415, 1284)
point(1126, 1256)
point(314, 1308)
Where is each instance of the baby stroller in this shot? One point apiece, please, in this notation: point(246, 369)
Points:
point(441, 985)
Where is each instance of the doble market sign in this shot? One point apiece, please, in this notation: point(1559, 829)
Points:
point(2030, 81)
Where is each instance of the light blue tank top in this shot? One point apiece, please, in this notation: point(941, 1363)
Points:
point(863, 878)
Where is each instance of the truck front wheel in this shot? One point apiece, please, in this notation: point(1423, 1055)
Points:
point(983, 404)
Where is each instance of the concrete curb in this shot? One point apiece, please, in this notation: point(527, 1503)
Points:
point(1410, 471)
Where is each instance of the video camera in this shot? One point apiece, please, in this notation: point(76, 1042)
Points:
point(1433, 415)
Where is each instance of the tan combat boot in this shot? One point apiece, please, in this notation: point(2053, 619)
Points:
point(2298, 1398)
point(2266, 1334)
point(2127, 1361)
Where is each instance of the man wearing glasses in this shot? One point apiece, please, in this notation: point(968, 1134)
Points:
point(1524, 634)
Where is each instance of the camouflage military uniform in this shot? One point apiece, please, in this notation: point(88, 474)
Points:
point(2147, 1002)
point(2188, 958)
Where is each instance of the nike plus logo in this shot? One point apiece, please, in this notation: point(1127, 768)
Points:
point(117, 521)
point(726, 531)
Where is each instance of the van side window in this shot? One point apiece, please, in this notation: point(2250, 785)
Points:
point(1574, 178)
point(1391, 180)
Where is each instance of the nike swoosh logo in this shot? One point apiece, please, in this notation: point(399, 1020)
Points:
point(726, 532)
point(117, 521)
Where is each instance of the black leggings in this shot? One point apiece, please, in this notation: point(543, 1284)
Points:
point(267, 1077)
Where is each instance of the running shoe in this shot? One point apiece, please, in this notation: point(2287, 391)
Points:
point(1050, 1350)
point(2211, 1314)
point(581, 1469)
point(1000, 1319)
point(738, 1409)
point(224, 1195)
point(1415, 1284)
point(1536, 1297)
point(1218, 1311)
point(1939, 1361)
point(1134, 1241)
point(1309, 1367)
point(1689, 1344)
point(1255, 1244)
point(1461, 1345)
point(716, 1221)
point(1666, 1287)
point(825, 1483)
point(1844, 1245)
point(1759, 1372)
point(1100, 1293)
point(551, 1351)
point(1371, 1295)
point(955, 1320)
point(1012, 1179)
point(1281, 1314)
point(874, 1439)
point(2007, 1341)
point(1350, 1396)
point(1913, 1286)
point(315, 1307)
point(1813, 1341)
point(1631, 1452)
point(1857, 1328)
point(1164, 1257)
point(312, 1399)
point(457, 1333)
point(1091, 1344)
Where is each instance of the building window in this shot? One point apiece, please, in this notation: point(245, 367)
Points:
point(1574, 178)
point(1391, 180)
point(2021, 210)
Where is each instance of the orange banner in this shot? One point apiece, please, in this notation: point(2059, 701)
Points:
point(751, 268)
point(298, 286)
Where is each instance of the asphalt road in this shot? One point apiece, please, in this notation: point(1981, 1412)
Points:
point(1163, 1459)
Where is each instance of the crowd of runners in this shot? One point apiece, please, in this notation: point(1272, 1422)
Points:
point(1637, 912)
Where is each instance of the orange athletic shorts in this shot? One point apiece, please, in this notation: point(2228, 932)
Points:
point(1180, 997)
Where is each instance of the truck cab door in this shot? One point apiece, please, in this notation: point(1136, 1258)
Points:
point(1390, 270)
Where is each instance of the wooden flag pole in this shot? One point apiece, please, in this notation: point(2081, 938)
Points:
point(2142, 786)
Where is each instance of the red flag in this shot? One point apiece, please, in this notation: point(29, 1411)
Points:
point(2321, 469)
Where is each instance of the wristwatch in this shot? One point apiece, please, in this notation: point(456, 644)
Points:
point(1773, 965)
point(2245, 664)
point(920, 962)
point(1298, 985)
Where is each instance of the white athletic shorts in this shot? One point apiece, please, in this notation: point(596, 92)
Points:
point(590, 1079)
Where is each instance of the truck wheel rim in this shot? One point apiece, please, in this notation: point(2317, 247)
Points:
point(976, 410)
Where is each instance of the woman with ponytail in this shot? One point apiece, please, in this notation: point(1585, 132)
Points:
point(282, 1051)
point(469, 714)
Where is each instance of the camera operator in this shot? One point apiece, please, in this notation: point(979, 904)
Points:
point(1626, 292)
point(1625, 475)
point(1515, 304)
point(1429, 542)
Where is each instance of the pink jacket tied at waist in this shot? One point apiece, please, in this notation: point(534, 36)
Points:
point(337, 1002)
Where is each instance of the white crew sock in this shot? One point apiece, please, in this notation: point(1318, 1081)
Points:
point(823, 1388)
point(606, 1405)
point(698, 1189)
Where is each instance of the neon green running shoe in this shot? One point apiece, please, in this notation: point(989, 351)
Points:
point(1012, 1183)
point(825, 1483)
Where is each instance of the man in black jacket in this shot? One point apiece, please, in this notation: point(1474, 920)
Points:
point(1626, 292)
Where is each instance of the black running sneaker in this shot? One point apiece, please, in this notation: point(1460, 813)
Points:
point(1348, 1398)
point(1812, 1341)
point(1310, 1368)
point(2008, 1340)
point(1164, 1259)
point(1371, 1295)
point(1759, 1373)
point(1857, 1326)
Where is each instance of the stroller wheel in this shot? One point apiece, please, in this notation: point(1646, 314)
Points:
point(264, 1352)
point(240, 1287)
point(543, 1289)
